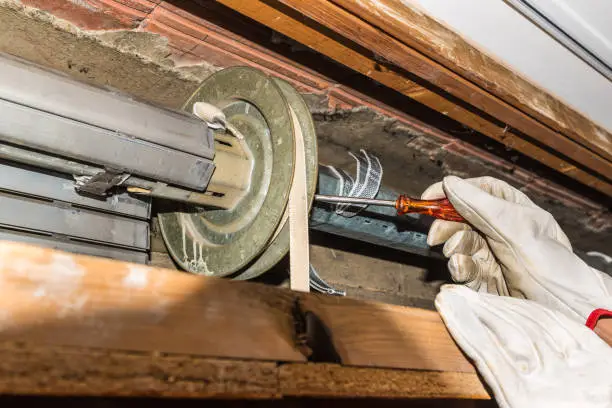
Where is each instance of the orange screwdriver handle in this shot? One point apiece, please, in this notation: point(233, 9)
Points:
point(441, 209)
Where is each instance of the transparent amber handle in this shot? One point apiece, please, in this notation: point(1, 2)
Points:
point(441, 209)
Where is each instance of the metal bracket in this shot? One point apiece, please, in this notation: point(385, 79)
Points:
point(99, 184)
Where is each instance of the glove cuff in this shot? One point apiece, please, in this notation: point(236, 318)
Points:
point(595, 315)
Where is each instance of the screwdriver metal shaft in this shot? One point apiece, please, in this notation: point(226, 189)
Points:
point(355, 200)
point(441, 208)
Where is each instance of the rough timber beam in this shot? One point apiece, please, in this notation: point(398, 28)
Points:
point(67, 318)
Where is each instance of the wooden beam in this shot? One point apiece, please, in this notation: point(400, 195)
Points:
point(404, 21)
point(381, 335)
point(89, 326)
point(57, 298)
point(357, 30)
point(298, 28)
point(62, 299)
point(60, 304)
point(27, 369)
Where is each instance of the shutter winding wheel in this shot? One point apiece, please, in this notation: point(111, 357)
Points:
point(247, 233)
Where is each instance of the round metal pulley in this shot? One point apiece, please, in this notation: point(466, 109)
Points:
point(221, 242)
point(279, 245)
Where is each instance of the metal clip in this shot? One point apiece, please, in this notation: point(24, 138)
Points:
point(317, 283)
point(100, 183)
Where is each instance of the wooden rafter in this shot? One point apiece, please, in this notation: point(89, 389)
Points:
point(398, 53)
point(57, 307)
point(419, 31)
point(302, 29)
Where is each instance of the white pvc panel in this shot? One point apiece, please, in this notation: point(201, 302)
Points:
point(589, 22)
point(497, 29)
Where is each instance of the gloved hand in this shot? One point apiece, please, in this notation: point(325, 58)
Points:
point(529, 355)
point(513, 247)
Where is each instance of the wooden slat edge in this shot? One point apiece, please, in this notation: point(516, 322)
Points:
point(27, 369)
point(332, 380)
point(263, 13)
point(360, 32)
point(440, 43)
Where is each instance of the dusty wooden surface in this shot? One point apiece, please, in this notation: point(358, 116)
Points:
point(27, 369)
point(294, 25)
point(169, 333)
point(331, 402)
point(404, 21)
point(56, 298)
point(379, 335)
point(63, 299)
point(332, 380)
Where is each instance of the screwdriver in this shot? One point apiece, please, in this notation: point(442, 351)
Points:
point(441, 209)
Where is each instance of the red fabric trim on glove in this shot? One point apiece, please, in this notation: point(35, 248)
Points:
point(595, 316)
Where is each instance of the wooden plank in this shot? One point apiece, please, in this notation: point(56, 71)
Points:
point(27, 369)
point(404, 21)
point(55, 298)
point(64, 299)
point(77, 325)
point(380, 335)
point(296, 27)
point(332, 380)
point(396, 52)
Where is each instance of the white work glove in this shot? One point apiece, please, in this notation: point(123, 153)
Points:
point(513, 247)
point(529, 355)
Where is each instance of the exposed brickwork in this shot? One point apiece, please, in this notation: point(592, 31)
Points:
point(176, 39)
point(145, 6)
point(90, 15)
point(178, 19)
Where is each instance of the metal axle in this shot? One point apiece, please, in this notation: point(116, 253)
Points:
point(355, 200)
